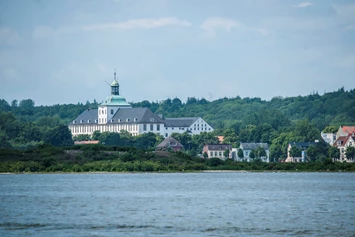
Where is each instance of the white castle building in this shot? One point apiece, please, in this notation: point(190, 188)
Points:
point(115, 114)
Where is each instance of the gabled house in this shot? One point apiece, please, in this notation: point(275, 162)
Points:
point(345, 131)
point(342, 143)
point(217, 150)
point(170, 143)
point(303, 147)
point(248, 147)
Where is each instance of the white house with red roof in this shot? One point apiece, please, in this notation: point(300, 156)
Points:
point(345, 131)
point(342, 143)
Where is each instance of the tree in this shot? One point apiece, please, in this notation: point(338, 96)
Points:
point(205, 155)
point(252, 154)
point(333, 153)
point(295, 151)
point(95, 135)
point(59, 136)
point(226, 153)
point(4, 106)
point(240, 153)
point(110, 138)
point(14, 103)
point(350, 153)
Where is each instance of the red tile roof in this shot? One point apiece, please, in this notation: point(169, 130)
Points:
point(343, 140)
point(348, 129)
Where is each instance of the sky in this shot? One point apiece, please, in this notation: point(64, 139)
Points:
point(62, 52)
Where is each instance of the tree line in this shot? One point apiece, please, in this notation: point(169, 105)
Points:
point(276, 122)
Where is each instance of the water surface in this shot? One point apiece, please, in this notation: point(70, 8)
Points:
point(178, 204)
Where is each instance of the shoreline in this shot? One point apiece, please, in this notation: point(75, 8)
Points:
point(176, 172)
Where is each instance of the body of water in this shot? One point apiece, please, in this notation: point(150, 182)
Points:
point(178, 204)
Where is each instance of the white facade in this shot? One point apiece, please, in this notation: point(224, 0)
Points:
point(329, 138)
point(115, 115)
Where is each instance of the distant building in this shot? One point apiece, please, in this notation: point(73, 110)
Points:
point(217, 150)
point(115, 114)
point(328, 137)
point(303, 147)
point(247, 148)
point(345, 131)
point(170, 143)
point(342, 143)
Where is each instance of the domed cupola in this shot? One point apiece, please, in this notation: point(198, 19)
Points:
point(115, 87)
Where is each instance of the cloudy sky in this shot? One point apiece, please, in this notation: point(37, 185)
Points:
point(64, 51)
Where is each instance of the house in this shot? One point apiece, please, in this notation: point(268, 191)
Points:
point(170, 143)
point(217, 150)
point(303, 147)
point(345, 131)
point(342, 143)
point(328, 137)
point(115, 115)
point(246, 148)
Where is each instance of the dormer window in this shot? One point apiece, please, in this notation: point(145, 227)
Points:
point(119, 120)
point(95, 120)
point(111, 120)
point(127, 120)
point(74, 121)
point(135, 119)
point(151, 119)
point(88, 120)
point(81, 121)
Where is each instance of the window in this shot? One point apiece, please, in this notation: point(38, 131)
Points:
point(211, 153)
point(166, 135)
point(220, 153)
point(88, 120)
point(144, 127)
point(81, 121)
point(158, 127)
point(119, 120)
point(135, 119)
point(95, 120)
point(99, 111)
point(246, 153)
point(111, 111)
point(172, 128)
point(74, 121)
point(151, 127)
point(127, 120)
point(215, 153)
point(151, 119)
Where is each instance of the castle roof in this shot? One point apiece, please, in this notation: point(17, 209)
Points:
point(180, 122)
point(252, 146)
point(116, 100)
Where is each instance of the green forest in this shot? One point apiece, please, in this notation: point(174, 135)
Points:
point(25, 126)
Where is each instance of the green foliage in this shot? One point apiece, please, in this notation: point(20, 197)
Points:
point(333, 153)
point(240, 153)
point(350, 153)
point(295, 151)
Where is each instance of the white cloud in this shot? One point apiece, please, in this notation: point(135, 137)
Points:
point(217, 23)
point(46, 31)
point(262, 31)
point(140, 24)
point(304, 4)
point(9, 36)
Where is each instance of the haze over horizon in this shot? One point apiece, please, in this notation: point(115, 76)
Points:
point(62, 52)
